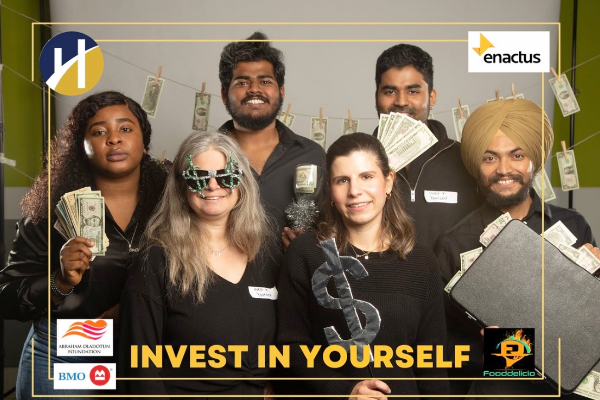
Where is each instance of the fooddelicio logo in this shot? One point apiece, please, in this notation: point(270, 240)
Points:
point(85, 338)
point(71, 63)
point(508, 353)
point(85, 376)
point(510, 51)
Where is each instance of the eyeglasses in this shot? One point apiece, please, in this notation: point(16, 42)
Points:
point(197, 179)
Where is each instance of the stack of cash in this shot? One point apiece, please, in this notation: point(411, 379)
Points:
point(403, 138)
point(560, 236)
point(81, 213)
point(493, 229)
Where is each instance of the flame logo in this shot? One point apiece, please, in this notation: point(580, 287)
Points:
point(514, 348)
point(88, 329)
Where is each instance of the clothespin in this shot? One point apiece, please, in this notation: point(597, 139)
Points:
point(287, 112)
point(564, 147)
point(162, 156)
point(460, 110)
point(555, 74)
point(203, 90)
point(158, 74)
point(512, 88)
point(7, 161)
point(320, 117)
point(350, 119)
point(497, 94)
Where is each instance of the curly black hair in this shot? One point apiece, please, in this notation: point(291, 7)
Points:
point(404, 55)
point(236, 52)
point(71, 170)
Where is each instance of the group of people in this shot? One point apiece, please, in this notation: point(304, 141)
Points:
point(201, 253)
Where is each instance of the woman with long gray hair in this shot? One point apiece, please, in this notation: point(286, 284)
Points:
point(204, 280)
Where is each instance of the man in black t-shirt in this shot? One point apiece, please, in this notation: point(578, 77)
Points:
point(502, 149)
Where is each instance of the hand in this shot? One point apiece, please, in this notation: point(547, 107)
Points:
point(112, 313)
point(75, 257)
point(288, 235)
point(593, 249)
point(374, 388)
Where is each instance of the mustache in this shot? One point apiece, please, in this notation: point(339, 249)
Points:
point(498, 177)
point(406, 109)
point(255, 97)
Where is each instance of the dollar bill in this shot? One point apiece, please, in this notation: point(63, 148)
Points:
point(590, 386)
point(409, 146)
point(494, 228)
point(383, 119)
point(564, 95)
point(346, 129)
point(572, 253)
point(289, 121)
point(549, 194)
point(397, 127)
point(201, 112)
point(588, 260)
point(306, 178)
point(91, 221)
point(467, 258)
point(459, 122)
point(517, 96)
point(318, 130)
point(559, 233)
point(453, 281)
point(494, 99)
point(152, 95)
point(568, 170)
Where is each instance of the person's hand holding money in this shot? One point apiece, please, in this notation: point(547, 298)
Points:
point(595, 251)
point(75, 257)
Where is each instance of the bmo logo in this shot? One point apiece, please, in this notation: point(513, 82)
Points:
point(85, 376)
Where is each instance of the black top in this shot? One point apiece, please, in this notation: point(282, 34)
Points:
point(463, 237)
point(276, 181)
point(407, 293)
point(153, 313)
point(24, 281)
point(439, 169)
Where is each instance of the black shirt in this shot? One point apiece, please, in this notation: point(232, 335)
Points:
point(154, 313)
point(276, 180)
point(436, 189)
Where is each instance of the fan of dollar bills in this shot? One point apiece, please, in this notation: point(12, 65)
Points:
point(403, 138)
point(81, 213)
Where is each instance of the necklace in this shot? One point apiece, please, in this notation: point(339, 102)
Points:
point(365, 254)
point(218, 253)
point(134, 249)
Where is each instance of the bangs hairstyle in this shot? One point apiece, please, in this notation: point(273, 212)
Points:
point(396, 227)
point(184, 238)
point(237, 52)
point(404, 55)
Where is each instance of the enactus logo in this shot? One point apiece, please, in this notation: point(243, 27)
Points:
point(509, 51)
point(71, 63)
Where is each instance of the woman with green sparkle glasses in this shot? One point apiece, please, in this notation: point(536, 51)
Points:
point(204, 278)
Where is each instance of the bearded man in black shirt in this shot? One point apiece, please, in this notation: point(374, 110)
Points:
point(502, 148)
point(252, 88)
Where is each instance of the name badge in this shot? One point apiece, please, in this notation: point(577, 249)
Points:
point(441, 197)
point(263, 292)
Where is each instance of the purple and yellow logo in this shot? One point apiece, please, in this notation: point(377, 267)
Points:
point(71, 63)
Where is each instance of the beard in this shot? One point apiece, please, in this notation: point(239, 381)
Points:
point(500, 201)
point(254, 122)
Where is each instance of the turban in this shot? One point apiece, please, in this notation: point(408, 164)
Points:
point(520, 120)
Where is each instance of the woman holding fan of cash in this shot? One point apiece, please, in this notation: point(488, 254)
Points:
point(204, 278)
point(364, 215)
point(101, 154)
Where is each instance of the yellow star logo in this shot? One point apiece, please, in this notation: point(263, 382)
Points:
point(484, 44)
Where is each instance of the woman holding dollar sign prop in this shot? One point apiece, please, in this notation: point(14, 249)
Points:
point(363, 213)
point(103, 145)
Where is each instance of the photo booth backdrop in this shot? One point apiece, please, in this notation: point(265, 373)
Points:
point(333, 68)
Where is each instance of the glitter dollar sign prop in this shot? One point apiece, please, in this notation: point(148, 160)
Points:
point(334, 267)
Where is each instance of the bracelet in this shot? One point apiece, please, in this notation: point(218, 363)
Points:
point(55, 288)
